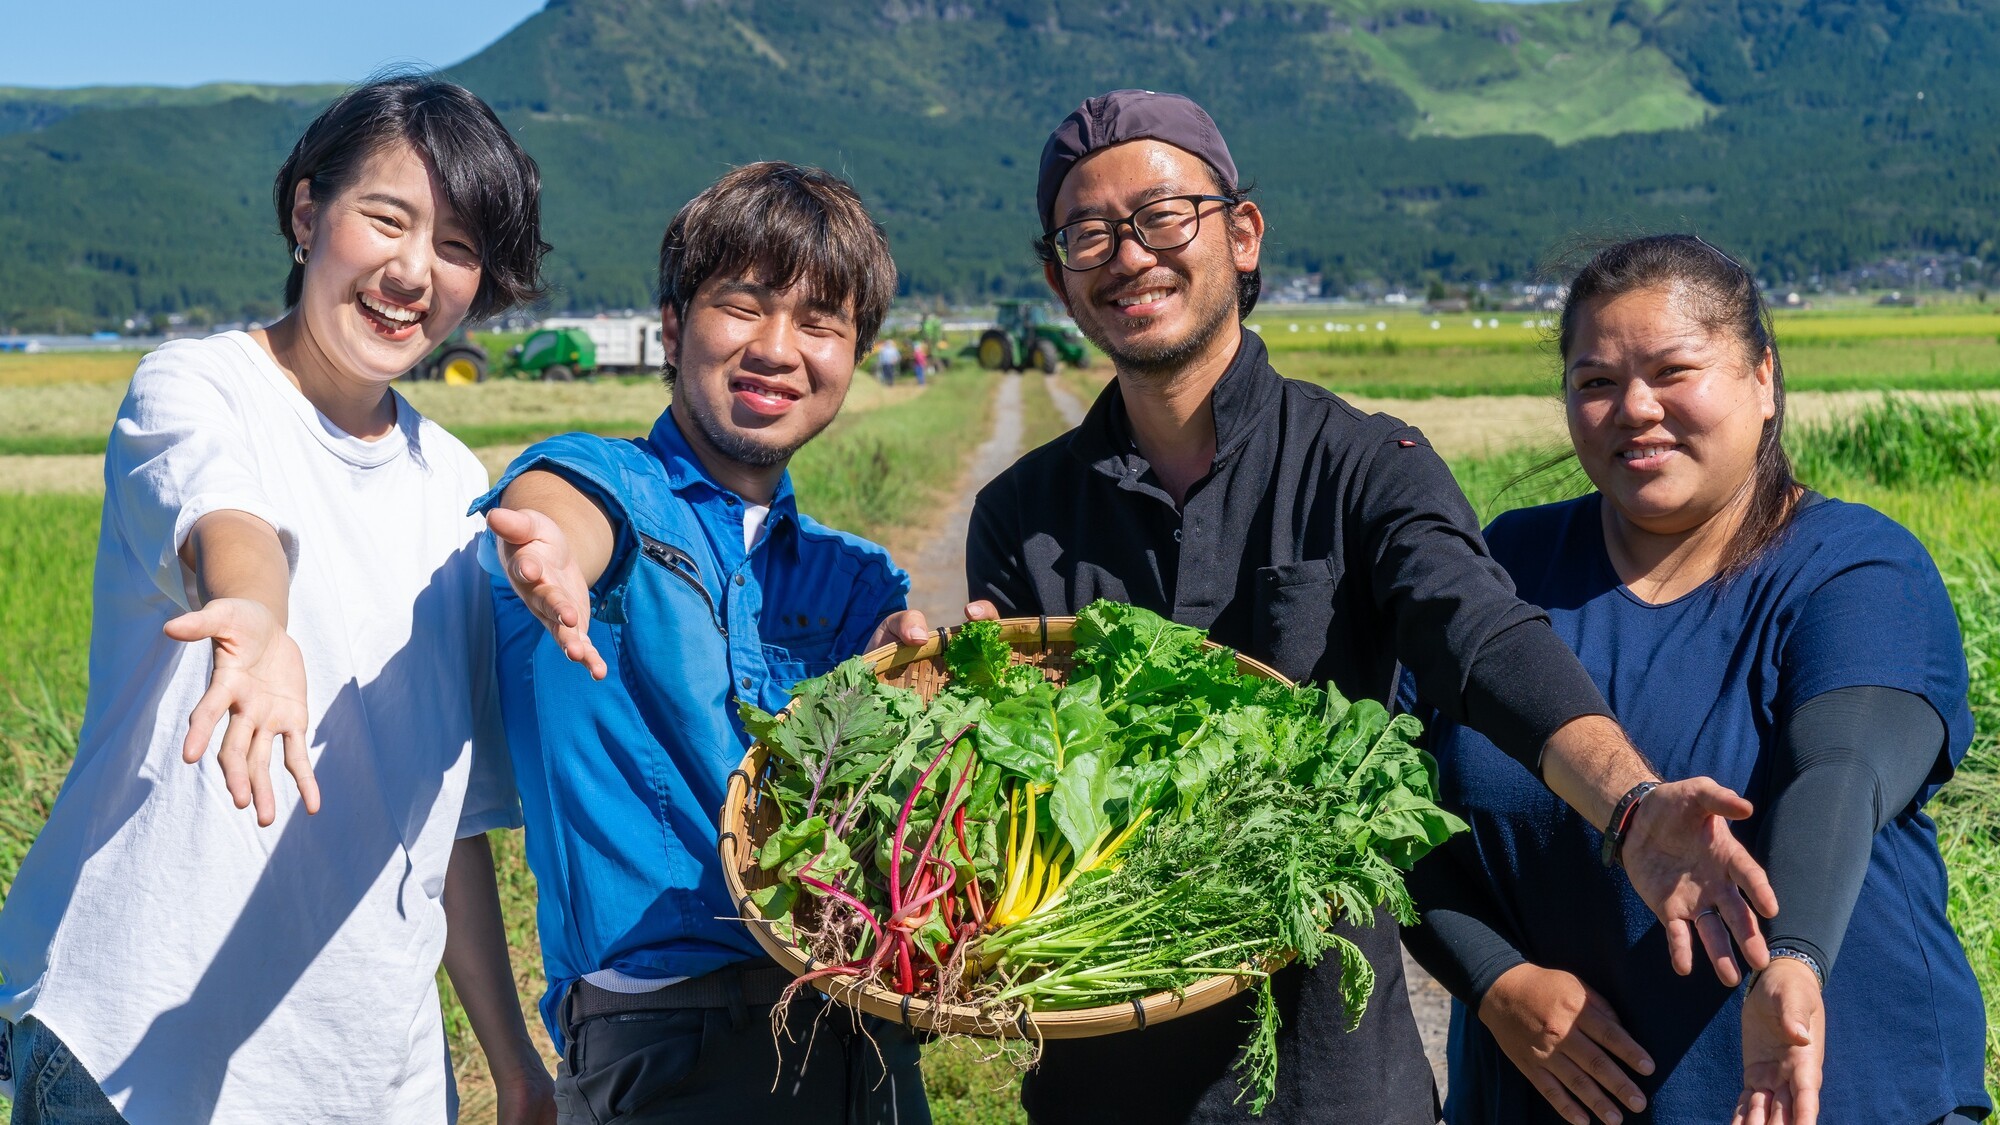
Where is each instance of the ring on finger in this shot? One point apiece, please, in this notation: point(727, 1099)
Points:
point(1706, 913)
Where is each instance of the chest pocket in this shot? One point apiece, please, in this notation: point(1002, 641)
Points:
point(1294, 614)
point(680, 568)
point(799, 645)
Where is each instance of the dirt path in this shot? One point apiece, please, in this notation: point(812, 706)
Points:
point(1067, 404)
point(937, 568)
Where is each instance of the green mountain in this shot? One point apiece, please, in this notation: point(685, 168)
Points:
point(1393, 139)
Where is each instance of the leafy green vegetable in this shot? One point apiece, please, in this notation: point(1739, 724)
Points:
point(1160, 819)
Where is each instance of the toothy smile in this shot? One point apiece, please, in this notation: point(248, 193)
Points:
point(1145, 297)
point(395, 314)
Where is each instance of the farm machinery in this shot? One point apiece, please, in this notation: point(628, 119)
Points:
point(1025, 334)
point(458, 361)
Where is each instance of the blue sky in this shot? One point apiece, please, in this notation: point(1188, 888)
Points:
point(187, 42)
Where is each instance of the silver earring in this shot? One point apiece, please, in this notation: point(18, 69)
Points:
point(299, 254)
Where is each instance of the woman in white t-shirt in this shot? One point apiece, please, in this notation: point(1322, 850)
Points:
point(286, 567)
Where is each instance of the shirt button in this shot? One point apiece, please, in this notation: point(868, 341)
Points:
point(739, 580)
point(746, 683)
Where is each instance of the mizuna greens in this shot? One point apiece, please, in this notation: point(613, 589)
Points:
point(1017, 845)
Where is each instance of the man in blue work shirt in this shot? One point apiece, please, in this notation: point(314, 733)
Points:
point(647, 587)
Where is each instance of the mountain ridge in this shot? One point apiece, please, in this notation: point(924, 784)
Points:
point(1398, 139)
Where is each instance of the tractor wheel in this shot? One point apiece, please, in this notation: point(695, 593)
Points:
point(461, 369)
point(558, 373)
point(1047, 357)
point(996, 352)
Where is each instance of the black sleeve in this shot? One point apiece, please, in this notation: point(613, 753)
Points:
point(1849, 761)
point(1480, 654)
point(1459, 938)
point(994, 569)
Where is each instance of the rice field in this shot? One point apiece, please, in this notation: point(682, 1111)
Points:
point(879, 469)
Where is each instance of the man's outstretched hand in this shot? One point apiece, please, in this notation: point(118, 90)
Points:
point(544, 572)
point(259, 684)
point(1697, 877)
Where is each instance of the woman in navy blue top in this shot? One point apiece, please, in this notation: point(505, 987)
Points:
point(1799, 650)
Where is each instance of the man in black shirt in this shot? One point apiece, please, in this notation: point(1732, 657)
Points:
point(1332, 544)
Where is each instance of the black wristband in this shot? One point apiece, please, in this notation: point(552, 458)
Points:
point(1611, 853)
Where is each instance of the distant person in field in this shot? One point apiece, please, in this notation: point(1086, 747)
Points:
point(920, 361)
point(287, 570)
point(1798, 649)
point(1329, 543)
point(646, 589)
point(887, 360)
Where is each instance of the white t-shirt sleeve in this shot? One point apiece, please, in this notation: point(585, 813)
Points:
point(177, 453)
point(491, 799)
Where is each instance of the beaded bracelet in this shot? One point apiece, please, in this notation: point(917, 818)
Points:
point(1801, 956)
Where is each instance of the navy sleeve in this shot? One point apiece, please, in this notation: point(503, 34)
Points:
point(1479, 653)
point(1880, 617)
point(595, 466)
point(1848, 763)
point(1460, 937)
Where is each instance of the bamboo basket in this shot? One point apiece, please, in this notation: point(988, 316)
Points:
point(1041, 641)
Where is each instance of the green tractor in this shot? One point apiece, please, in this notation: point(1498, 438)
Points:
point(458, 361)
point(556, 355)
point(1025, 334)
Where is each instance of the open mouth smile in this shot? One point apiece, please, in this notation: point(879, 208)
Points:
point(760, 397)
point(1643, 458)
point(397, 322)
point(1144, 302)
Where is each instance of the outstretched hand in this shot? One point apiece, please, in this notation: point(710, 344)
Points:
point(259, 684)
point(1784, 1047)
point(1697, 877)
point(544, 572)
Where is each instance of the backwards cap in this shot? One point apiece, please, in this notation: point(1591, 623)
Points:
point(1128, 115)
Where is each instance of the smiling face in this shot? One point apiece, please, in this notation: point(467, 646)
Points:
point(1665, 411)
point(1154, 310)
point(391, 271)
point(760, 370)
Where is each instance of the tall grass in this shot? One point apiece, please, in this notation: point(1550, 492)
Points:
point(876, 472)
point(1968, 809)
point(1903, 443)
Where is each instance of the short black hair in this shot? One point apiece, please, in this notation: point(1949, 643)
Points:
point(493, 186)
point(1249, 285)
point(787, 224)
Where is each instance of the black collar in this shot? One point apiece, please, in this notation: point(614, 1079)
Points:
point(1244, 400)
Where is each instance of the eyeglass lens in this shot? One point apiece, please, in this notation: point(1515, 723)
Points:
point(1159, 226)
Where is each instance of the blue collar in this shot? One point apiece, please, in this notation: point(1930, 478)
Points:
point(685, 472)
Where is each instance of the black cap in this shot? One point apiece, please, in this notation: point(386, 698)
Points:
point(1128, 115)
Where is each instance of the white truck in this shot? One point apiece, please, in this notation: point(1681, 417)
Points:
point(624, 343)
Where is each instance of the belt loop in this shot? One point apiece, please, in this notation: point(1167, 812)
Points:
point(732, 989)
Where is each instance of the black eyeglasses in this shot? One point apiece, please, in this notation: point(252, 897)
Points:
point(1162, 224)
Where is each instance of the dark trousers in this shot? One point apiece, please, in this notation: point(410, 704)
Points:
point(690, 1066)
point(1179, 1072)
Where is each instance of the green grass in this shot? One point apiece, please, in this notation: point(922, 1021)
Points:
point(876, 472)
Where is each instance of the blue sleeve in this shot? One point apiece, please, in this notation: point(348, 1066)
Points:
point(1881, 618)
point(596, 467)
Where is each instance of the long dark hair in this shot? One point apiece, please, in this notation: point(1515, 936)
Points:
point(493, 186)
point(1725, 298)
